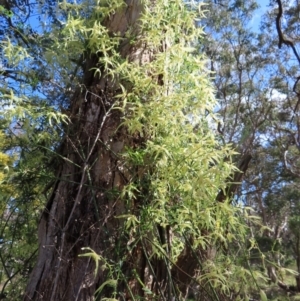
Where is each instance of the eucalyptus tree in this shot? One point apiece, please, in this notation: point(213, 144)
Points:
point(257, 85)
point(280, 29)
point(138, 206)
point(239, 75)
point(285, 16)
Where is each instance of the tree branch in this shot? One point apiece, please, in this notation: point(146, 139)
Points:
point(282, 38)
point(237, 177)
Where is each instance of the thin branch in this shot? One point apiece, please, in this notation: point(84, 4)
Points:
point(282, 38)
point(18, 271)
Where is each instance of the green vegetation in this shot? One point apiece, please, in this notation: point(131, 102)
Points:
point(149, 150)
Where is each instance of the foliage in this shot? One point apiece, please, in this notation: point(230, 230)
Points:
point(256, 85)
point(30, 131)
point(180, 166)
point(181, 145)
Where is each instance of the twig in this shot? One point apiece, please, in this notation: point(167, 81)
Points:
point(282, 38)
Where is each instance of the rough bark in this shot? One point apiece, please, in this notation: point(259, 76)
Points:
point(82, 208)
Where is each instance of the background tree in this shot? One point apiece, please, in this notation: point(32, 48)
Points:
point(257, 88)
point(28, 140)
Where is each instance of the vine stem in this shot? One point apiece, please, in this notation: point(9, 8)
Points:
point(85, 168)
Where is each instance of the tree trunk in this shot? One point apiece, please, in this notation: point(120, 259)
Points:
point(82, 208)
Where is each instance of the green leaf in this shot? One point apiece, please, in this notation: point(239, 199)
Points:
point(263, 295)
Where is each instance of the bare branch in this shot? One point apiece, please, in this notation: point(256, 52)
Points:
point(282, 38)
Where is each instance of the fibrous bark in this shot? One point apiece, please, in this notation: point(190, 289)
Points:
point(85, 208)
point(82, 208)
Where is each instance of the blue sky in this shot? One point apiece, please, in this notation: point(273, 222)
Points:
point(257, 16)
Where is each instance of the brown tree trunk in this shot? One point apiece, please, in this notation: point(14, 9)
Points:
point(82, 208)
